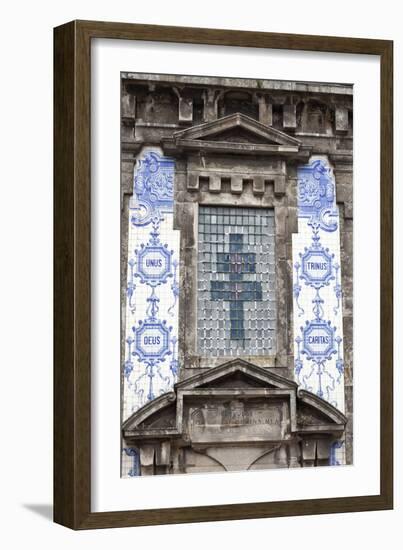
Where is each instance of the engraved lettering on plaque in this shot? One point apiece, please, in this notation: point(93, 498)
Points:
point(236, 420)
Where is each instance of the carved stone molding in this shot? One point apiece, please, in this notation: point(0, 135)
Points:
point(235, 416)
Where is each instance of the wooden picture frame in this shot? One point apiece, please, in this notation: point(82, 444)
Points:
point(72, 271)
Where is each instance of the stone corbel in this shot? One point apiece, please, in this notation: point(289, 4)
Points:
point(323, 451)
point(294, 455)
point(341, 120)
point(163, 457)
point(315, 452)
point(281, 457)
point(279, 185)
point(128, 107)
point(147, 453)
point(214, 183)
point(211, 99)
point(185, 106)
point(259, 185)
point(265, 109)
point(308, 452)
point(192, 181)
point(289, 116)
point(236, 185)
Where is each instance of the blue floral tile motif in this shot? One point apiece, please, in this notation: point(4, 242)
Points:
point(337, 450)
point(151, 311)
point(153, 188)
point(316, 195)
point(130, 462)
point(318, 328)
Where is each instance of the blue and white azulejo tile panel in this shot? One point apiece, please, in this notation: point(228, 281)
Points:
point(151, 313)
point(317, 290)
point(318, 316)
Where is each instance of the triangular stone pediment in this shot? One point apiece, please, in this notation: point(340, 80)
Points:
point(310, 405)
point(238, 135)
point(156, 414)
point(236, 380)
point(237, 128)
point(232, 384)
point(236, 373)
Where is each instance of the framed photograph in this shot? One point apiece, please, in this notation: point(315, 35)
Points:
point(223, 275)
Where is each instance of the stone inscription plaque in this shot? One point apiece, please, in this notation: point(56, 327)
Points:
point(236, 420)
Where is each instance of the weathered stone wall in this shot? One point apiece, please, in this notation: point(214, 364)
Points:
point(160, 111)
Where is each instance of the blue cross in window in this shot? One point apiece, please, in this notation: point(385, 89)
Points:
point(236, 290)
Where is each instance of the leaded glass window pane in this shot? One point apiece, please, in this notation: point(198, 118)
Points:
point(236, 281)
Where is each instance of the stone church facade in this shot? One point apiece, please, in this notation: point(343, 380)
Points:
point(236, 270)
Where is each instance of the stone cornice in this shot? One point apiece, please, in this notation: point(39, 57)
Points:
point(241, 83)
point(180, 146)
point(206, 385)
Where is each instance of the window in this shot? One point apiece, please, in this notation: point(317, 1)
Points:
point(236, 281)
